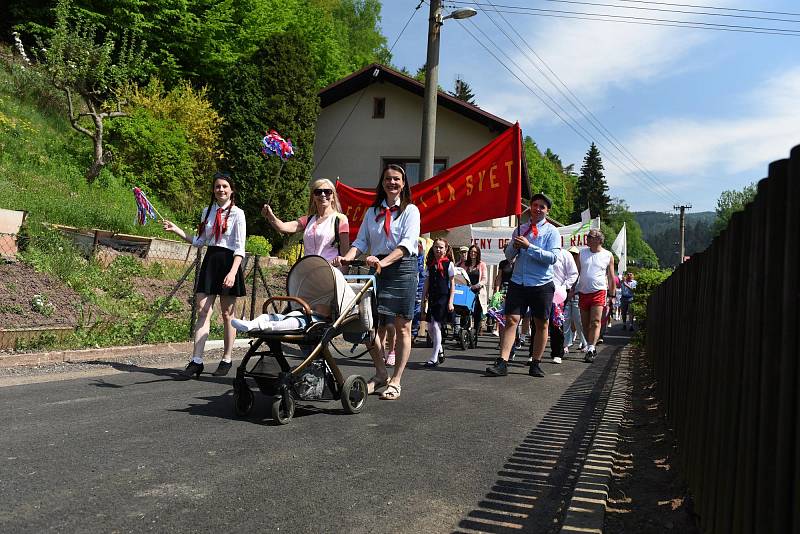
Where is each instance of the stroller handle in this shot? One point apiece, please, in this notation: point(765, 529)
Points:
point(304, 304)
point(361, 263)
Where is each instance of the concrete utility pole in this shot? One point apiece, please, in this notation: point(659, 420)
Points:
point(431, 85)
point(683, 228)
point(426, 153)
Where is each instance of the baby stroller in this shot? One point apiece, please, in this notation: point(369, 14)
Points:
point(329, 305)
point(464, 331)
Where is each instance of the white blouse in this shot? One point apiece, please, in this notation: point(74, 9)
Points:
point(403, 231)
point(234, 236)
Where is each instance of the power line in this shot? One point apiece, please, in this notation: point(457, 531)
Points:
point(639, 8)
point(643, 21)
point(609, 154)
point(582, 109)
point(713, 7)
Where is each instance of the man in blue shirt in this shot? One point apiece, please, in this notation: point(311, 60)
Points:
point(536, 246)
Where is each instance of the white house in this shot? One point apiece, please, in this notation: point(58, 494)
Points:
point(374, 117)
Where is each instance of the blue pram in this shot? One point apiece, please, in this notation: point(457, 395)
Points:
point(465, 332)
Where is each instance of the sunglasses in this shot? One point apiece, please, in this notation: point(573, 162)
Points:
point(320, 192)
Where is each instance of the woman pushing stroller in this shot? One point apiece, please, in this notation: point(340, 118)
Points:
point(439, 291)
point(389, 233)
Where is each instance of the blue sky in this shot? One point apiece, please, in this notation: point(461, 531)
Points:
point(701, 111)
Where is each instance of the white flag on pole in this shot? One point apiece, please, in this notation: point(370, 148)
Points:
point(586, 215)
point(620, 248)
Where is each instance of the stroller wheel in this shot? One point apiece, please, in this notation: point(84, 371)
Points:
point(354, 394)
point(283, 409)
point(473, 340)
point(243, 399)
point(463, 340)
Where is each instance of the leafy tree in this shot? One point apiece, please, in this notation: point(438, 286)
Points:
point(554, 159)
point(201, 39)
point(639, 251)
point(731, 201)
point(544, 177)
point(592, 187)
point(463, 91)
point(89, 74)
point(273, 89)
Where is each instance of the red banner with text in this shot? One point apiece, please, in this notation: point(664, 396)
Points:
point(486, 185)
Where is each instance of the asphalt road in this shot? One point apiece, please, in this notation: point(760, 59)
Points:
point(138, 451)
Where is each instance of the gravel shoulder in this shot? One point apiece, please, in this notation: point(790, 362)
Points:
point(647, 493)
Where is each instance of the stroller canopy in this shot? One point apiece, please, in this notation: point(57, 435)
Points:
point(320, 284)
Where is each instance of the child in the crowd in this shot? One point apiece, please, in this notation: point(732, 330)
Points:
point(438, 291)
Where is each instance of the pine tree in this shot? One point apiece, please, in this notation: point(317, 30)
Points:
point(274, 89)
point(592, 187)
point(463, 92)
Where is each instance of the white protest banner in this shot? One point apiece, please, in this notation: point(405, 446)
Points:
point(493, 240)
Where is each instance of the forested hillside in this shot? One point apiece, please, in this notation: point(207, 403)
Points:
point(662, 233)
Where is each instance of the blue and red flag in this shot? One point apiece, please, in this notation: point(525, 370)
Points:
point(143, 207)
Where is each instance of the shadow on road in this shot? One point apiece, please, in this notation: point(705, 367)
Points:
point(534, 486)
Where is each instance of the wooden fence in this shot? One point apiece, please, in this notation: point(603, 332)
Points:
point(722, 332)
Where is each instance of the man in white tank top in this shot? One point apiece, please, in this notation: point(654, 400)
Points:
point(595, 287)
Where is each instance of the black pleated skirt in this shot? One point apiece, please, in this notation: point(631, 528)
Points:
point(216, 265)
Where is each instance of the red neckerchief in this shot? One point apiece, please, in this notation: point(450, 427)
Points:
point(387, 215)
point(440, 263)
point(220, 226)
point(531, 228)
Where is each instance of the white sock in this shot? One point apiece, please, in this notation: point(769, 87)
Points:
point(590, 348)
point(197, 360)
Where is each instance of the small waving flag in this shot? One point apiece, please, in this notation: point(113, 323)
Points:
point(143, 207)
point(274, 144)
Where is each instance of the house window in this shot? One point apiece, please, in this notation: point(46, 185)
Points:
point(411, 165)
point(378, 108)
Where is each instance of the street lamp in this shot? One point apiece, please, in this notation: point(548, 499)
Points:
point(432, 82)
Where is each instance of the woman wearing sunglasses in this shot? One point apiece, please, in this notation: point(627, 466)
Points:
point(326, 231)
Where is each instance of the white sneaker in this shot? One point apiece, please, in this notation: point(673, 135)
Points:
point(495, 333)
point(556, 359)
point(530, 360)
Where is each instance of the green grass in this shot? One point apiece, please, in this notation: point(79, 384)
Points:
point(42, 166)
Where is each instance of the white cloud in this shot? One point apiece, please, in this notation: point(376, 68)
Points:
point(764, 127)
point(592, 58)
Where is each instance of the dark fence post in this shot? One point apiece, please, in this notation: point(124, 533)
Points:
point(256, 270)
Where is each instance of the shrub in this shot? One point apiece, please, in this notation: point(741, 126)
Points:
point(291, 253)
point(647, 280)
point(258, 245)
point(154, 153)
point(199, 122)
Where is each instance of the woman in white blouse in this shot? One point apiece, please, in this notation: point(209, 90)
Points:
point(223, 229)
point(389, 234)
point(326, 231)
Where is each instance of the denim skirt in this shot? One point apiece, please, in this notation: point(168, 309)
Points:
point(397, 288)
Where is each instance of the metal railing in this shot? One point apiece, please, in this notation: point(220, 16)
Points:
point(722, 335)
